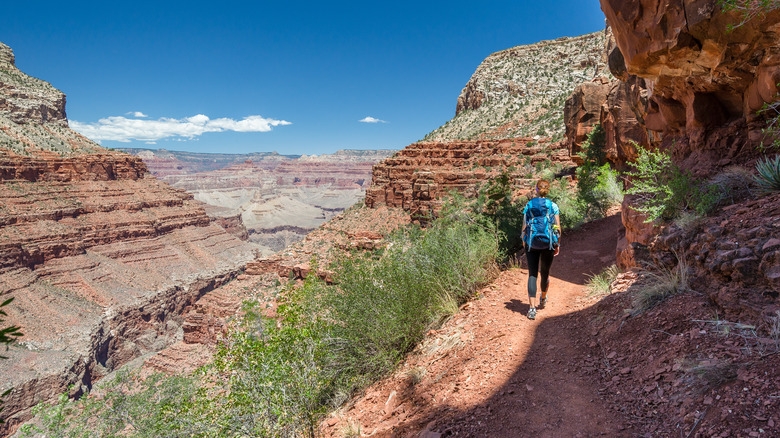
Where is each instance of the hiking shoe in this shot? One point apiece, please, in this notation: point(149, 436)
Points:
point(542, 303)
point(532, 313)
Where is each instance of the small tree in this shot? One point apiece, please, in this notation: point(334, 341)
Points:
point(8, 336)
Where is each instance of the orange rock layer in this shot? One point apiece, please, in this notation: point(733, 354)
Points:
point(103, 264)
point(417, 177)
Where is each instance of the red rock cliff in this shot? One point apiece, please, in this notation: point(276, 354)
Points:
point(704, 83)
point(417, 177)
point(103, 261)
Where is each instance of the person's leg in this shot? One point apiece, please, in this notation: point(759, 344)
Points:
point(545, 261)
point(533, 272)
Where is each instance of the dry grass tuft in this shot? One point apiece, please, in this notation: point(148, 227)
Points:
point(352, 429)
point(600, 284)
point(416, 375)
point(659, 283)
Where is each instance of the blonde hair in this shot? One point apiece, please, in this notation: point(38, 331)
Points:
point(543, 187)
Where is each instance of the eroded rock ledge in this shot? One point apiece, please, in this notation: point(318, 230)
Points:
point(418, 176)
point(102, 261)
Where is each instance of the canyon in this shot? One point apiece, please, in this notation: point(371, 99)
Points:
point(109, 265)
point(101, 259)
point(269, 199)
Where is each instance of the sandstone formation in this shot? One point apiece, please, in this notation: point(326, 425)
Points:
point(518, 92)
point(102, 260)
point(582, 111)
point(278, 198)
point(417, 177)
point(25, 98)
point(705, 83)
point(619, 105)
point(685, 84)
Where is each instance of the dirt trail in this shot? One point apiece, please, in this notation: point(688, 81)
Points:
point(492, 372)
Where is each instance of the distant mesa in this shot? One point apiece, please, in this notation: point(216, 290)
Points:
point(277, 199)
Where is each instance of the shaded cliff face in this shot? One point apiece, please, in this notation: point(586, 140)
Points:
point(277, 198)
point(519, 92)
point(101, 259)
point(704, 84)
point(686, 85)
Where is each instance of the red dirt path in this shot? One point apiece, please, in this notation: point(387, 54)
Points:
point(492, 372)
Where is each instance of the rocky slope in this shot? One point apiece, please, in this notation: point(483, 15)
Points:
point(277, 198)
point(101, 259)
point(519, 92)
point(419, 176)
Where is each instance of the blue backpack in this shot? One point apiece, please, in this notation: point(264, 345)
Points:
point(539, 219)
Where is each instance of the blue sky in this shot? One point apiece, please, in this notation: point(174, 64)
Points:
point(296, 77)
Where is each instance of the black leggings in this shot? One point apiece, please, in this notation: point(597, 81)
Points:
point(534, 256)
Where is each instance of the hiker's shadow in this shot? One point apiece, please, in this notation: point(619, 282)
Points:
point(517, 306)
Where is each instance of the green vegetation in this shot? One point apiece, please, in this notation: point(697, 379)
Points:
point(599, 284)
point(278, 377)
point(598, 187)
point(664, 190)
point(748, 9)
point(768, 178)
point(8, 336)
point(495, 203)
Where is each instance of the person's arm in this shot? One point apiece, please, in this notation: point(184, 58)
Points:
point(558, 224)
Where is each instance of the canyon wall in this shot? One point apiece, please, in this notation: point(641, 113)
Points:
point(688, 85)
point(685, 84)
point(519, 92)
point(418, 176)
point(102, 260)
point(277, 199)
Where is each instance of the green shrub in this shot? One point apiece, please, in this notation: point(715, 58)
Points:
point(598, 187)
point(385, 307)
point(494, 203)
point(664, 190)
point(127, 405)
point(572, 208)
point(768, 178)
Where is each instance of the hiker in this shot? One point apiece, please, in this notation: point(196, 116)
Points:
point(541, 233)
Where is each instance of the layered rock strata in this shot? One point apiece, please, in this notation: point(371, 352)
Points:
point(518, 92)
point(102, 261)
point(278, 199)
point(417, 177)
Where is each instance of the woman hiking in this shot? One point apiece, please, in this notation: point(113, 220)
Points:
point(541, 231)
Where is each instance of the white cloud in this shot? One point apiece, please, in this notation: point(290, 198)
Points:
point(122, 129)
point(136, 114)
point(369, 119)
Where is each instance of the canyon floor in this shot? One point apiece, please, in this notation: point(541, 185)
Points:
point(582, 368)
